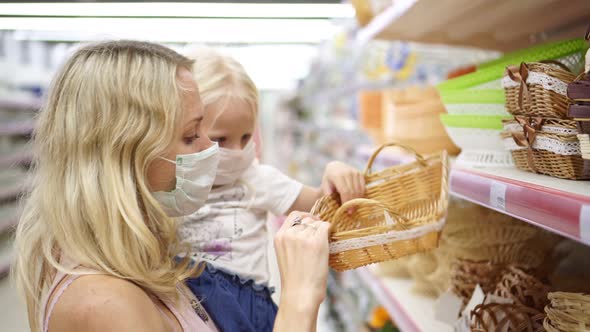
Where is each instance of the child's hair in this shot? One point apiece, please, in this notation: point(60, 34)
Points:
point(113, 108)
point(221, 78)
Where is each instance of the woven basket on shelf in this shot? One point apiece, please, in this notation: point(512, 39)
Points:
point(466, 275)
point(538, 89)
point(567, 312)
point(547, 146)
point(403, 213)
point(505, 317)
point(523, 289)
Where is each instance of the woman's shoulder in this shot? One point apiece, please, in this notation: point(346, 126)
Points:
point(104, 303)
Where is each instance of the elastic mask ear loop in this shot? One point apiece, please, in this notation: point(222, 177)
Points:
point(168, 160)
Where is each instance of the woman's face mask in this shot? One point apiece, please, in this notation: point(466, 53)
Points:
point(195, 174)
point(233, 163)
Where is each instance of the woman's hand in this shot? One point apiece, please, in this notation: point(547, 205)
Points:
point(346, 180)
point(302, 256)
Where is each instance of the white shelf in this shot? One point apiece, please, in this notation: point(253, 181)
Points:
point(491, 24)
point(411, 312)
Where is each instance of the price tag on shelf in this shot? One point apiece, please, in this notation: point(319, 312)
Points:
point(585, 224)
point(498, 195)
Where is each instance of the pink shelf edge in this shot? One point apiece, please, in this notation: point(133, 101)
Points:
point(388, 300)
point(550, 209)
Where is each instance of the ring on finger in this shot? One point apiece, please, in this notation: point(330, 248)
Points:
point(298, 220)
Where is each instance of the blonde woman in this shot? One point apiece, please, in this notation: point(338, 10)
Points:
point(119, 151)
point(229, 233)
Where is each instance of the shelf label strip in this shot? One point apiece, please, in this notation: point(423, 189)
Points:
point(585, 224)
point(498, 195)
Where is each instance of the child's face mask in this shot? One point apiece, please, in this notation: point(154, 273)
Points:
point(233, 163)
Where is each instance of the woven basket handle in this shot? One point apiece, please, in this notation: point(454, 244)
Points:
point(343, 209)
point(418, 156)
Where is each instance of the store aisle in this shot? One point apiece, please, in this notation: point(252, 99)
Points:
point(13, 316)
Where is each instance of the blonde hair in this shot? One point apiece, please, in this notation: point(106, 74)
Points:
point(113, 108)
point(221, 78)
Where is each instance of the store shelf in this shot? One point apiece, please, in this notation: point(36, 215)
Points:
point(411, 312)
point(14, 190)
point(20, 104)
point(16, 158)
point(560, 206)
point(503, 25)
point(23, 127)
point(5, 256)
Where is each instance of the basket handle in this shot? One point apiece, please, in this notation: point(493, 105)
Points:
point(343, 209)
point(418, 156)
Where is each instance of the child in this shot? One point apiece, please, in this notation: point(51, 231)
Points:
point(229, 233)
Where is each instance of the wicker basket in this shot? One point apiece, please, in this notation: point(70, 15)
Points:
point(467, 274)
point(505, 317)
point(523, 289)
point(547, 149)
point(538, 89)
point(567, 312)
point(403, 214)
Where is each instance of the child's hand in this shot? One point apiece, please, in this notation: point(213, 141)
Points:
point(347, 181)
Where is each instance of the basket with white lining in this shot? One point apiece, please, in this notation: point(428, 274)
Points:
point(546, 146)
point(403, 213)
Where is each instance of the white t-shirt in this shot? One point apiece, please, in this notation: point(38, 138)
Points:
point(230, 231)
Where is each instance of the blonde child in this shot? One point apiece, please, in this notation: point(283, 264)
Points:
point(229, 233)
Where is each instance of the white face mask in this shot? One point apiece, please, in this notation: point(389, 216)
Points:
point(233, 163)
point(194, 178)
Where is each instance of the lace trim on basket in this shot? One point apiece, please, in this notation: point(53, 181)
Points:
point(470, 109)
point(515, 127)
point(385, 238)
point(546, 81)
point(548, 144)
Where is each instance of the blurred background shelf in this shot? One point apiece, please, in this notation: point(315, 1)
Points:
point(24, 156)
point(21, 127)
point(19, 104)
point(503, 25)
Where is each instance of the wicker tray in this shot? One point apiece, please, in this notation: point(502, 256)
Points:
point(567, 312)
point(403, 214)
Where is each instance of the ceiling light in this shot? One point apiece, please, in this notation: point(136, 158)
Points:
point(176, 9)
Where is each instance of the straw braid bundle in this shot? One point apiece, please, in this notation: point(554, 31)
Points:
point(523, 289)
point(568, 312)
